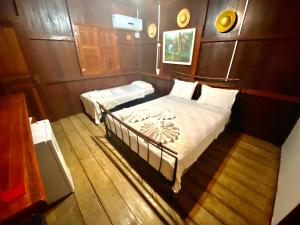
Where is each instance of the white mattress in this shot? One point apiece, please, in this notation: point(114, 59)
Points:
point(111, 98)
point(199, 125)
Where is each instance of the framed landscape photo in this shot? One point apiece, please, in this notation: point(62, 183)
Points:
point(178, 46)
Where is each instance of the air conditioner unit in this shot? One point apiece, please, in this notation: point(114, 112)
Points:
point(127, 23)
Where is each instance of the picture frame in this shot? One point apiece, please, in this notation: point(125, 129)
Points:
point(178, 46)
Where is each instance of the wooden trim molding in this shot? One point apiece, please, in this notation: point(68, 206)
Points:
point(50, 37)
point(91, 78)
point(162, 77)
point(10, 18)
point(280, 97)
point(22, 78)
point(250, 38)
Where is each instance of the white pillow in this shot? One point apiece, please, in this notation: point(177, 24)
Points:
point(183, 89)
point(222, 98)
point(141, 84)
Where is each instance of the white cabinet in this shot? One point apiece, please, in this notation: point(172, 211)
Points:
point(55, 173)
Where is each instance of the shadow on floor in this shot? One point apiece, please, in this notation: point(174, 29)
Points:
point(196, 180)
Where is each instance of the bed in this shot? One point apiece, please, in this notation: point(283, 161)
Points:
point(171, 132)
point(113, 97)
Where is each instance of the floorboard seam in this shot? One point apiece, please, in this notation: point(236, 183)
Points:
point(240, 167)
point(104, 170)
point(121, 170)
point(227, 189)
point(86, 174)
point(252, 177)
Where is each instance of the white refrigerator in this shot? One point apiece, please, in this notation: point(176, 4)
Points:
point(55, 173)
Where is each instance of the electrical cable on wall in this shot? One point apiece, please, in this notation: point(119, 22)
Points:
point(157, 69)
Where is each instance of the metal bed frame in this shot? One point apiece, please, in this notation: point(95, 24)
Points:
point(110, 128)
point(137, 135)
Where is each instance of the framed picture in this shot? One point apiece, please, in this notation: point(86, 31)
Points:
point(178, 46)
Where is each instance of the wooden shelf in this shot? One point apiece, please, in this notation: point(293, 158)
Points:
point(276, 96)
point(50, 37)
point(160, 76)
point(21, 187)
point(250, 38)
point(91, 77)
point(260, 93)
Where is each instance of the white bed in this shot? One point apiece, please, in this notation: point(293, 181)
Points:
point(112, 97)
point(195, 126)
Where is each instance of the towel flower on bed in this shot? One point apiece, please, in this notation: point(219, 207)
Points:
point(161, 131)
point(134, 115)
point(165, 115)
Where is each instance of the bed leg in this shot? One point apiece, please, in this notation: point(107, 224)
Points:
point(172, 197)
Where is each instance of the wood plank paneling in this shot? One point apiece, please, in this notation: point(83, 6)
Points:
point(271, 66)
point(148, 11)
point(48, 25)
point(161, 84)
point(128, 57)
point(214, 59)
point(274, 18)
point(12, 60)
point(45, 17)
point(17, 66)
point(264, 65)
point(127, 51)
point(269, 119)
point(7, 8)
point(147, 57)
point(266, 60)
point(69, 102)
point(57, 60)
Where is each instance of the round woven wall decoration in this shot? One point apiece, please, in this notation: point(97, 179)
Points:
point(152, 30)
point(183, 18)
point(226, 21)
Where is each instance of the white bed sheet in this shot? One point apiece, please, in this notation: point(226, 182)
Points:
point(111, 98)
point(199, 125)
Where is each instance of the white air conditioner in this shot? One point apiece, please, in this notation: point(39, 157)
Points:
point(127, 23)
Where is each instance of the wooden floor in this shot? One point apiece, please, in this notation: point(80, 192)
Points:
point(233, 182)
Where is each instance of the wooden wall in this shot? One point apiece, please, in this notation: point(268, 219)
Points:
point(267, 60)
point(49, 27)
point(16, 61)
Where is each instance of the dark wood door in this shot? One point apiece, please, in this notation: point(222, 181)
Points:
point(16, 65)
point(109, 49)
point(87, 43)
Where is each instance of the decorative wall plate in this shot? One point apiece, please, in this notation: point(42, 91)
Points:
point(226, 21)
point(183, 18)
point(152, 30)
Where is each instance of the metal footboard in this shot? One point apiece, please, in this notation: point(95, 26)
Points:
point(138, 136)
